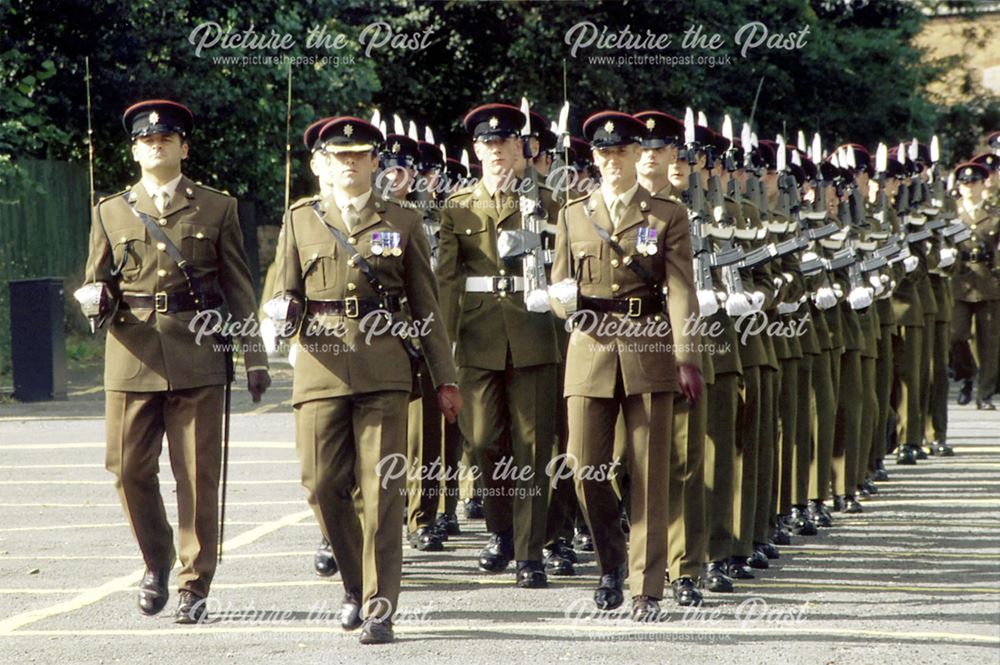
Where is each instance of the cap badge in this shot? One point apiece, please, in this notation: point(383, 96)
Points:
point(650, 123)
point(609, 127)
point(494, 122)
point(395, 147)
point(348, 130)
point(154, 118)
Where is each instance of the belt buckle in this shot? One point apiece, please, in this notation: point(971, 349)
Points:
point(634, 307)
point(352, 307)
point(161, 302)
point(501, 284)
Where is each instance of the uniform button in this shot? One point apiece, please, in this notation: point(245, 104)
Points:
point(614, 263)
point(352, 240)
point(351, 286)
point(615, 287)
point(161, 272)
point(350, 262)
point(199, 235)
point(468, 232)
point(162, 222)
point(503, 272)
point(315, 255)
point(161, 246)
point(122, 319)
point(124, 238)
point(582, 254)
point(614, 238)
point(657, 318)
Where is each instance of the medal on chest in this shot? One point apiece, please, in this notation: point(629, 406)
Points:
point(646, 243)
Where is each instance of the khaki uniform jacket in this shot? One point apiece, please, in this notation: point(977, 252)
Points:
point(336, 358)
point(594, 359)
point(976, 282)
point(149, 351)
point(485, 325)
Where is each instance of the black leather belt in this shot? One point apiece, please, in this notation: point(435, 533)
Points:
point(631, 307)
point(181, 301)
point(353, 308)
point(976, 256)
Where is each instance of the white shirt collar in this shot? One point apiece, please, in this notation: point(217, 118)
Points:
point(625, 198)
point(169, 188)
point(359, 202)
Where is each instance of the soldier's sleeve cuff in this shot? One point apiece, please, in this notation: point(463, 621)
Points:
point(257, 368)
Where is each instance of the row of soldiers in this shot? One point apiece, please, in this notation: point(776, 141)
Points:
point(789, 435)
point(743, 323)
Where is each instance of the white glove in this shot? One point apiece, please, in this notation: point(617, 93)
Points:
point(860, 297)
point(293, 353)
point(537, 301)
point(808, 256)
point(825, 298)
point(757, 299)
point(838, 290)
point(910, 263)
point(708, 303)
point(737, 305)
point(948, 256)
point(269, 335)
point(877, 284)
point(565, 295)
point(788, 307)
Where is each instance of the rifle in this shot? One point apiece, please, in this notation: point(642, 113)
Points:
point(533, 215)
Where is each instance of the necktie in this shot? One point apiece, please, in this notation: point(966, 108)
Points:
point(617, 209)
point(161, 199)
point(351, 216)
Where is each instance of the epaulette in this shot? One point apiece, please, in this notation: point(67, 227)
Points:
point(465, 191)
point(213, 189)
point(110, 196)
point(306, 200)
point(548, 189)
point(578, 199)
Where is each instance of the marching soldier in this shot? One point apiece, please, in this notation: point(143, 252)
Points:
point(162, 250)
point(506, 346)
point(351, 258)
point(976, 287)
point(626, 257)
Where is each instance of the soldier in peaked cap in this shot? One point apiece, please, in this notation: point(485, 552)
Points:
point(976, 286)
point(351, 257)
point(506, 346)
point(164, 249)
point(623, 257)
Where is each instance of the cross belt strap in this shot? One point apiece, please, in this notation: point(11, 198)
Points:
point(369, 272)
point(353, 308)
point(632, 265)
point(499, 284)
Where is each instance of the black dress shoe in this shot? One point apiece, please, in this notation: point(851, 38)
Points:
point(646, 609)
point(153, 593)
point(919, 452)
point(737, 568)
point(851, 505)
point(350, 611)
point(769, 550)
point(498, 552)
point(869, 486)
point(942, 449)
point(557, 558)
point(819, 515)
point(190, 608)
point(780, 537)
point(758, 559)
point(965, 393)
point(531, 575)
point(881, 475)
point(838, 504)
point(608, 595)
point(582, 540)
point(801, 523)
point(474, 509)
point(426, 539)
point(862, 492)
point(447, 525)
point(906, 455)
point(686, 592)
point(323, 562)
point(376, 631)
point(985, 404)
point(715, 578)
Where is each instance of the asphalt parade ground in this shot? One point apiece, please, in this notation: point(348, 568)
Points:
point(914, 579)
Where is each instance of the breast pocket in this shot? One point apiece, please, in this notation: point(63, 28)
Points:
point(318, 265)
point(199, 243)
point(587, 260)
point(472, 236)
point(129, 247)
